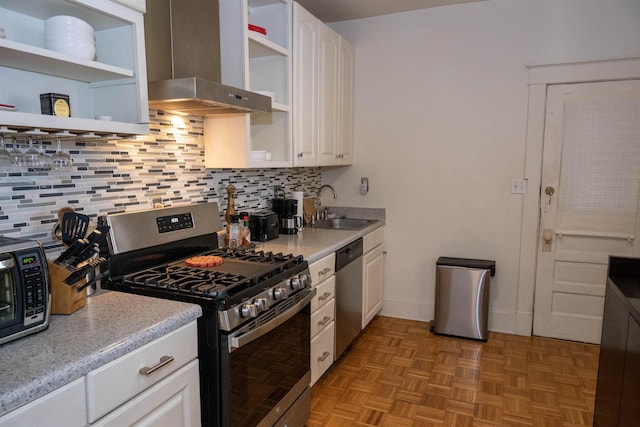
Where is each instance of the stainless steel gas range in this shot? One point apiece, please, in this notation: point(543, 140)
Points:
point(254, 341)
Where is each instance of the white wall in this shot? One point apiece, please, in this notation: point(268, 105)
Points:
point(440, 130)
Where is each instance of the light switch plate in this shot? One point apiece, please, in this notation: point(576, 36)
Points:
point(518, 186)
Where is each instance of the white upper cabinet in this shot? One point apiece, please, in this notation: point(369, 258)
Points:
point(114, 84)
point(344, 146)
point(323, 93)
point(305, 87)
point(261, 63)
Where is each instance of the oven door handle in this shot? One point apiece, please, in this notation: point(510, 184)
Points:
point(235, 342)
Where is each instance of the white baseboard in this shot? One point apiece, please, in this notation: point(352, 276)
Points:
point(408, 309)
point(524, 323)
point(421, 310)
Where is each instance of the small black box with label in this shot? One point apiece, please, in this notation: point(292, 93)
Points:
point(55, 104)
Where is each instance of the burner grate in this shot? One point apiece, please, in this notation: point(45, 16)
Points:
point(187, 279)
point(241, 270)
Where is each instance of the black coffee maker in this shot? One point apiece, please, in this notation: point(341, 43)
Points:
point(287, 210)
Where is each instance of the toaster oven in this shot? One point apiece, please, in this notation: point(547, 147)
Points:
point(25, 298)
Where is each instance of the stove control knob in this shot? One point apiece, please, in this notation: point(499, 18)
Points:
point(305, 278)
point(280, 293)
point(248, 310)
point(261, 304)
point(295, 283)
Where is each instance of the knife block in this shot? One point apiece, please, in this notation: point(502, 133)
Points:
point(64, 298)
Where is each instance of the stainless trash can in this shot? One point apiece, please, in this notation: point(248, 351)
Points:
point(462, 297)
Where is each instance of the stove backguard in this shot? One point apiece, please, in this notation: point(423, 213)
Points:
point(130, 231)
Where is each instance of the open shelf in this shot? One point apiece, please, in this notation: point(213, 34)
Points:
point(45, 61)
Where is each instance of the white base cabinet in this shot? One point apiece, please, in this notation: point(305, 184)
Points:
point(64, 407)
point(173, 402)
point(175, 350)
point(322, 351)
point(323, 314)
point(372, 274)
point(156, 385)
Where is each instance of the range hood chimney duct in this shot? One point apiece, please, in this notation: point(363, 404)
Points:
point(182, 40)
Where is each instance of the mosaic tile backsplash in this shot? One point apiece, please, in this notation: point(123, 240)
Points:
point(125, 175)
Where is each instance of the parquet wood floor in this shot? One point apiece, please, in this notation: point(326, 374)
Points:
point(398, 373)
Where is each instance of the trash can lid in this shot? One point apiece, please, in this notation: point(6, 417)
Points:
point(483, 264)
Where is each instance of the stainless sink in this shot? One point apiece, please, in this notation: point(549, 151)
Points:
point(343, 223)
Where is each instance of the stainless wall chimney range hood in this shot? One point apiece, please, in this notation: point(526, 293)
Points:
point(182, 41)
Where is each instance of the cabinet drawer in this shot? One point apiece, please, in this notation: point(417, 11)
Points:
point(325, 291)
point(173, 402)
point(322, 269)
point(117, 382)
point(321, 318)
point(373, 239)
point(322, 351)
point(63, 407)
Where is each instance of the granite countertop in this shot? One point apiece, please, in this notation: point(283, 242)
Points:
point(316, 243)
point(76, 344)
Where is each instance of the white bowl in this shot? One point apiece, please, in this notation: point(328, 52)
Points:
point(52, 34)
point(48, 30)
point(71, 41)
point(77, 49)
point(257, 154)
point(68, 22)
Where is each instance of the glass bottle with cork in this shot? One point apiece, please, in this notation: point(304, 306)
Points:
point(231, 211)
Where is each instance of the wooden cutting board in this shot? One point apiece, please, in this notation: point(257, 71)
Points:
point(308, 209)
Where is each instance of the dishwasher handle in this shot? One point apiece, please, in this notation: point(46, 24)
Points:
point(347, 254)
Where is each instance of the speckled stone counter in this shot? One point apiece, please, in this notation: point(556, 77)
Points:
point(111, 325)
point(315, 243)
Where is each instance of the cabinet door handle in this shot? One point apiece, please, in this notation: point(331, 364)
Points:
point(324, 321)
point(164, 361)
point(323, 272)
point(324, 296)
point(322, 358)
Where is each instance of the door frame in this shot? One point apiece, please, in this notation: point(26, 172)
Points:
point(540, 77)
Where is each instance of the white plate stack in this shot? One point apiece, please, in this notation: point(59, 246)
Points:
point(70, 35)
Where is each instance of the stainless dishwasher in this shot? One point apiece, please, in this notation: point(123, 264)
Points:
point(348, 295)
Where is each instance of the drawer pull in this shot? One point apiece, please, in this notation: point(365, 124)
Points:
point(324, 356)
point(164, 361)
point(324, 321)
point(323, 272)
point(324, 296)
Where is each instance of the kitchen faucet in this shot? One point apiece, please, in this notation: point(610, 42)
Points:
point(323, 213)
point(327, 186)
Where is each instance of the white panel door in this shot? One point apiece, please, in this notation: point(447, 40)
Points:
point(588, 202)
point(305, 87)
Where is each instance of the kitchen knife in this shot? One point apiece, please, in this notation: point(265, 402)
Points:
point(92, 281)
point(75, 261)
point(98, 234)
point(76, 247)
point(80, 273)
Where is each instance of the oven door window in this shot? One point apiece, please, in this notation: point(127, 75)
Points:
point(263, 371)
point(9, 313)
